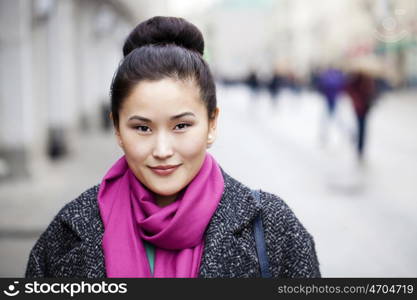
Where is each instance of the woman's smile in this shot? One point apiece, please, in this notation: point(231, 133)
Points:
point(164, 171)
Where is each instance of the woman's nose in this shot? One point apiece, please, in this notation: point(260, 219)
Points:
point(163, 148)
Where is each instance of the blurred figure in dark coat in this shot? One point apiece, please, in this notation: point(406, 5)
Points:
point(361, 88)
point(253, 83)
point(274, 85)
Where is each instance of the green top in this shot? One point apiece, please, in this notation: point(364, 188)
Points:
point(150, 252)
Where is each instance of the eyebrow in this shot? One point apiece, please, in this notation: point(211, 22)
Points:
point(143, 119)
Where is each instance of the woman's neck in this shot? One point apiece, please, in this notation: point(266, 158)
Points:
point(165, 200)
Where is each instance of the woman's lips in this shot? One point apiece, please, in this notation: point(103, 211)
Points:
point(165, 172)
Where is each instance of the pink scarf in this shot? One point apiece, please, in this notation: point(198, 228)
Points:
point(130, 215)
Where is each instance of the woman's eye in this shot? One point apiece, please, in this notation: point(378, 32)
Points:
point(142, 128)
point(183, 125)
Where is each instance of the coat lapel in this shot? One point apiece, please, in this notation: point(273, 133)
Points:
point(229, 249)
point(95, 266)
point(88, 227)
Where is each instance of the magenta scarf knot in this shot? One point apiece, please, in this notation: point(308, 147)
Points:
point(130, 215)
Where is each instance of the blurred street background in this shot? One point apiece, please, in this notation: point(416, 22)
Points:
point(318, 104)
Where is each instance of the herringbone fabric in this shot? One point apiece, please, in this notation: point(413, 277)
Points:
point(71, 245)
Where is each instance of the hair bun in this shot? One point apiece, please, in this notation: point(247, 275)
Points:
point(165, 30)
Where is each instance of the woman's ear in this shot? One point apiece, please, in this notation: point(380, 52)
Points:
point(211, 137)
point(119, 139)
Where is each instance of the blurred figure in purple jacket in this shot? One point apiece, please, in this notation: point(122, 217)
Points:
point(330, 83)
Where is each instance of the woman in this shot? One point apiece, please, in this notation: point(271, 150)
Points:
point(166, 208)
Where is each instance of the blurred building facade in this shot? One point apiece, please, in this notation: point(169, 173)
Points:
point(298, 35)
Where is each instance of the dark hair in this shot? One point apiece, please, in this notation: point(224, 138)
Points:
point(163, 47)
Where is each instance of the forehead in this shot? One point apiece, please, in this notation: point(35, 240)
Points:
point(163, 97)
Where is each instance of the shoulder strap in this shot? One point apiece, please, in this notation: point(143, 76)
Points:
point(260, 240)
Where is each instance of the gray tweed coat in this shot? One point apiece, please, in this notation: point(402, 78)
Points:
point(71, 245)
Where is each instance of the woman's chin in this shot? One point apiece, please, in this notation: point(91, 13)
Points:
point(165, 189)
point(166, 185)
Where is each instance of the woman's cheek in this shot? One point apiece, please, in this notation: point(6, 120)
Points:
point(192, 146)
point(136, 151)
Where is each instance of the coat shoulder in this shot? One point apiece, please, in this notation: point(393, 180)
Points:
point(81, 214)
point(82, 207)
point(277, 210)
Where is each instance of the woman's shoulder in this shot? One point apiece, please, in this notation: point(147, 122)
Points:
point(271, 204)
point(76, 216)
point(277, 215)
point(280, 219)
point(83, 203)
point(274, 207)
point(81, 212)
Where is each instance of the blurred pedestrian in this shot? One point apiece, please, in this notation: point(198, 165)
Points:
point(330, 83)
point(274, 85)
point(361, 88)
point(253, 84)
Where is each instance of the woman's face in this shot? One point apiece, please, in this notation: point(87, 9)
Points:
point(164, 123)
